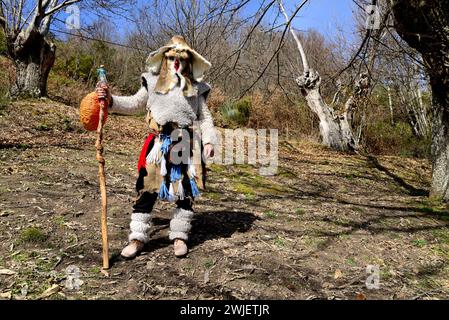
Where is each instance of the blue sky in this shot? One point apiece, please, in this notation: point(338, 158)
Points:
point(326, 16)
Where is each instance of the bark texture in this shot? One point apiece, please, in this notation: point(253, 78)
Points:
point(29, 44)
point(335, 130)
point(33, 60)
point(424, 25)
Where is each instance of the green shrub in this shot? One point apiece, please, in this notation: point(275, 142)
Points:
point(80, 67)
point(60, 80)
point(33, 235)
point(270, 215)
point(398, 139)
point(238, 112)
point(42, 127)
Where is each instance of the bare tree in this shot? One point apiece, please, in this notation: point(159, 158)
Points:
point(26, 25)
point(335, 127)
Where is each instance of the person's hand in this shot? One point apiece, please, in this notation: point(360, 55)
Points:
point(102, 91)
point(209, 150)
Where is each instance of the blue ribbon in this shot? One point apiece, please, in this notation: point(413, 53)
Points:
point(166, 142)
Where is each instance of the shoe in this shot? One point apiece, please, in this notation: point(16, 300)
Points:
point(132, 249)
point(180, 248)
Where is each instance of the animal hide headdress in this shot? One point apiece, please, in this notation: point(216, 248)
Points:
point(194, 71)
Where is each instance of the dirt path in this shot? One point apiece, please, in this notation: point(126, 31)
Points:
point(307, 233)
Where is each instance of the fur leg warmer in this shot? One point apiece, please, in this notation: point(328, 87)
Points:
point(180, 224)
point(140, 227)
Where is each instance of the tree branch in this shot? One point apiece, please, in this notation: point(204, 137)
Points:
point(298, 42)
point(3, 21)
point(40, 7)
point(362, 46)
point(24, 21)
point(60, 6)
point(19, 14)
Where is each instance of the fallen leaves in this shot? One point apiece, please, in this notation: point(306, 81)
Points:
point(105, 273)
point(5, 295)
point(360, 296)
point(5, 213)
point(7, 272)
point(338, 274)
point(50, 291)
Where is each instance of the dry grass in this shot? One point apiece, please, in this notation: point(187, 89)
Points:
point(275, 111)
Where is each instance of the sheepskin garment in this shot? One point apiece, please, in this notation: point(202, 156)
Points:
point(170, 107)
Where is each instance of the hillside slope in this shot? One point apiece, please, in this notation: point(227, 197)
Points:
point(307, 233)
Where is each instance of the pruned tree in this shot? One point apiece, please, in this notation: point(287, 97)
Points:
point(335, 127)
point(424, 25)
point(26, 25)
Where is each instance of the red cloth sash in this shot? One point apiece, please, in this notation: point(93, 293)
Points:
point(143, 154)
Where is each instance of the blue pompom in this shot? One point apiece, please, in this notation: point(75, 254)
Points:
point(163, 191)
point(195, 191)
point(175, 173)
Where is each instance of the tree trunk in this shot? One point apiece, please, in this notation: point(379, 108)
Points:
point(330, 131)
point(390, 105)
point(33, 64)
point(440, 140)
point(424, 25)
point(422, 111)
point(336, 132)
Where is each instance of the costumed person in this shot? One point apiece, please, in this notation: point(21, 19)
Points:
point(174, 97)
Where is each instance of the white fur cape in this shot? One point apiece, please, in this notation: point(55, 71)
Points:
point(170, 107)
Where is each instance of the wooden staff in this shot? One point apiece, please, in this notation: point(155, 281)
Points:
point(101, 175)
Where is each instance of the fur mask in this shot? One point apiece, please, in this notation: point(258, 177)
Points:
point(177, 62)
